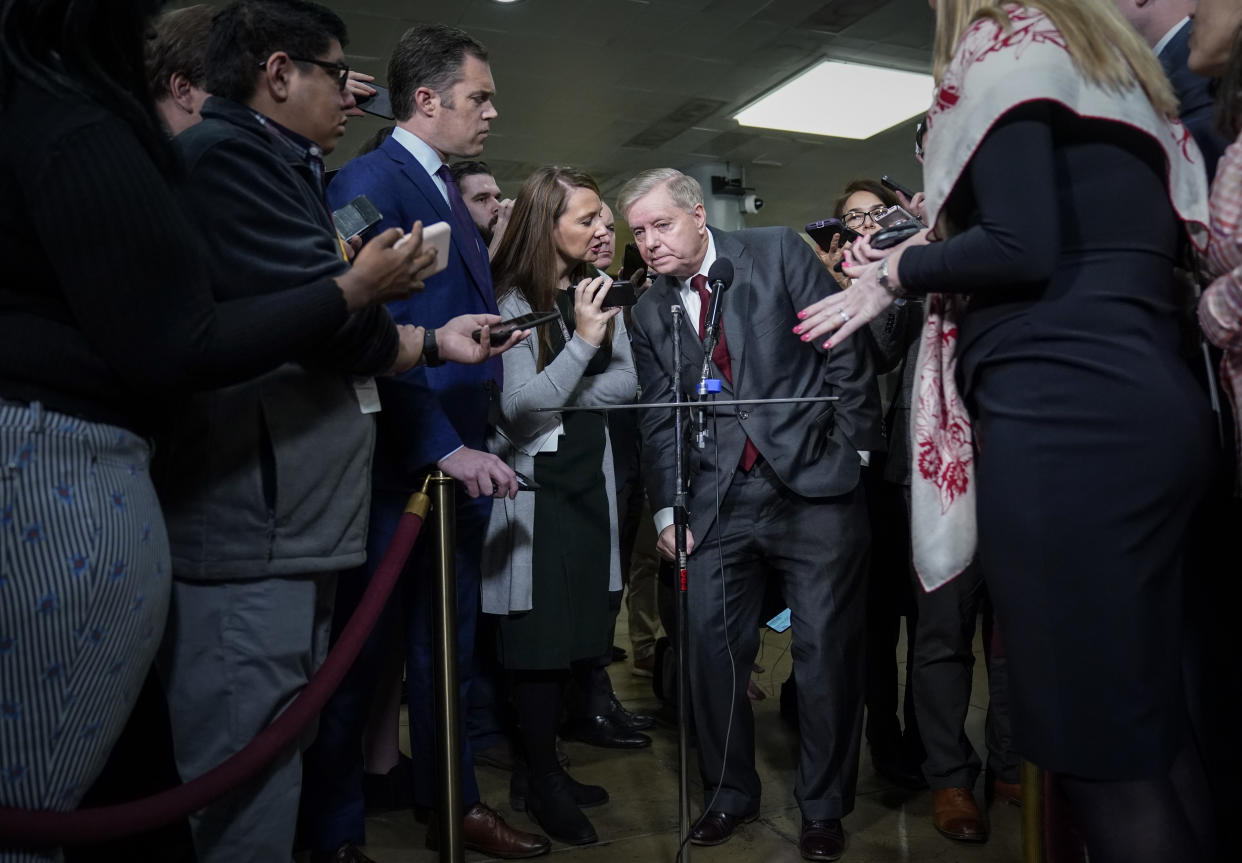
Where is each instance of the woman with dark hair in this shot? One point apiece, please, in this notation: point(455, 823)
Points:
point(105, 317)
point(1094, 441)
point(551, 558)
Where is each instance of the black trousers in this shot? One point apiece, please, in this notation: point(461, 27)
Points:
point(818, 548)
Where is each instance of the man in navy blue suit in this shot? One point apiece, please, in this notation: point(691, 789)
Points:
point(1165, 24)
point(441, 89)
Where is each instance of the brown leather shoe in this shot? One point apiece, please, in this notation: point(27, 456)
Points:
point(822, 840)
point(486, 832)
point(1007, 792)
point(956, 815)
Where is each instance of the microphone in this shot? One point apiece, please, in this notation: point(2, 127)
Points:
point(719, 278)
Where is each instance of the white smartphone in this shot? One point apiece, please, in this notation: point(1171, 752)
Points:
point(438, 235)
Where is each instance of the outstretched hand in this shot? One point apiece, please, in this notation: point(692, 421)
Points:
point(455, 340)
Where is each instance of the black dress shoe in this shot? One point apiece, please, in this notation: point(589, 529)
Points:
point(626, 719)
point(822, 840)
point(716, 828)
point(604, 731)
point(551, 804)
point(347, 853)
point(584, 795)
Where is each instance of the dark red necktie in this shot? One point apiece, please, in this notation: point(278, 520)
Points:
point(720, 356)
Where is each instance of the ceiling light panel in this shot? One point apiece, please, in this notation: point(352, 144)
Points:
point(815, 102)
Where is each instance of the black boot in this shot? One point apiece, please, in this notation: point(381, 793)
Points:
point(550, 802)
point(585, 796)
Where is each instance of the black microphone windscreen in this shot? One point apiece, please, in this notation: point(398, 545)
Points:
point(721, 271)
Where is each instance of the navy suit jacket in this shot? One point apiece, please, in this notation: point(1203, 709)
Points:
point(427, 413)
point(1194, 98)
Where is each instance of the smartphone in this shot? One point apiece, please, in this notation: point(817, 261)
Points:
point(620, 294)
point(501, 332)
point(525, 483)
point(438, 235)
point(889, 183)
point(889, 237)
point(896, 216)
point(356, 217)
point(380, 104)
point(632, 261)
point(822, 233)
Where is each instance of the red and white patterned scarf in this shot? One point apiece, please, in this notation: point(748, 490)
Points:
point(993, 71)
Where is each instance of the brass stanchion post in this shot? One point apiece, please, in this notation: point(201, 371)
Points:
point(448, 724)
point(1032, 813)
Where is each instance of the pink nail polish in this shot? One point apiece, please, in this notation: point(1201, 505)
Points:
point(797, 329)
point(801, 315)
point(828, 344)
point(806, 338)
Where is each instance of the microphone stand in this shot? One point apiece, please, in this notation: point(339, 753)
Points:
point(707, 384)
point(681, 522)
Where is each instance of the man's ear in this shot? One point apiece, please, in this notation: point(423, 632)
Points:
point(277, 73)
point(700, 216)
point(426, 101)
point(182, 91)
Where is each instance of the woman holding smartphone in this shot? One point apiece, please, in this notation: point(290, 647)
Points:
point(1093, 438)
point(551, 557)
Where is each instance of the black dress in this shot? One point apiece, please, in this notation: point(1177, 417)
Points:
point(569, 618)
point(1093, 438)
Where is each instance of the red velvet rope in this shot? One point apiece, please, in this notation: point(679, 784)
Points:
point(36, 827)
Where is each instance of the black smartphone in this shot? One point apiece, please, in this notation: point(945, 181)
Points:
point(823, 231)
point(620, 294)
point(501, 332)
point(632, 261)
point(889, 183)
point(525, 483)
point(380, 104)
point(890, 237)
point(356, 217)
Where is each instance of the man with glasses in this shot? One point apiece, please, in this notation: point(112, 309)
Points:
point(265, 484)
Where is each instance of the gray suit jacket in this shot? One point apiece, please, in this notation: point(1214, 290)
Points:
point(813, 448)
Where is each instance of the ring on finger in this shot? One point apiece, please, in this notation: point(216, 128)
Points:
point(844, 317)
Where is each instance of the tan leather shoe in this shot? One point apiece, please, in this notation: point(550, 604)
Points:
point(483, 830)
point(956, 815)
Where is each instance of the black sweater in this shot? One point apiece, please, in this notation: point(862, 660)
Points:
point(106, 307)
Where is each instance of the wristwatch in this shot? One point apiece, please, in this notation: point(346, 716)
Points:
point(431, 351)
point(893, 290)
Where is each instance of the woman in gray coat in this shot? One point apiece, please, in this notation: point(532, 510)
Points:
point(550, 557)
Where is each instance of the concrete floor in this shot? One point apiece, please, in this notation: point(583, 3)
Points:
point(888, 825)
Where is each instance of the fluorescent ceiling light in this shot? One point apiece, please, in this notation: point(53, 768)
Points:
point(841, 100)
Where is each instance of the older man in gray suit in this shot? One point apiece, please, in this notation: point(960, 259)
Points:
point(787, 481)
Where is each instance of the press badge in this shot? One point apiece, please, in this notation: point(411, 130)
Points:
point(368, 395)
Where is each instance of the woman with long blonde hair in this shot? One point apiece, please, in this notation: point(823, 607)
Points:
point(1058, 433)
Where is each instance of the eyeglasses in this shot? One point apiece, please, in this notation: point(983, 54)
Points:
point(335, 67)
point(854, 219)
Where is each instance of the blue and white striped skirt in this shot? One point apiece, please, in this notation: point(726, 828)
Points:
point(84, 585)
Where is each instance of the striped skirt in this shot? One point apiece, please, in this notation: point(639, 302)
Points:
point(84, 586)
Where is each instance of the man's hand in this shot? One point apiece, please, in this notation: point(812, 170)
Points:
point(667, 543)
point(481, 472)
point(456, 339)
point(357, 84)
point(389, 267)
point(915, 206)
point(409, 348)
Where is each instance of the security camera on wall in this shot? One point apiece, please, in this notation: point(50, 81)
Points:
point(750, 204)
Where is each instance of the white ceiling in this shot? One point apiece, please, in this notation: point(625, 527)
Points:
point(579, 80)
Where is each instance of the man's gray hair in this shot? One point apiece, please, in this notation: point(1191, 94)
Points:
point(684, 190)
